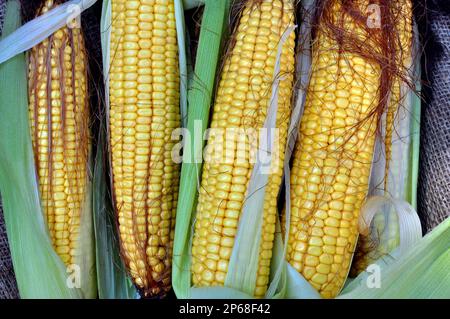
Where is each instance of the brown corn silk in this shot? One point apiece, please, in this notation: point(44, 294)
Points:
point(384, 234)
point(242, 102)
point(354, 70)
point(144, 110)
point(59, 118)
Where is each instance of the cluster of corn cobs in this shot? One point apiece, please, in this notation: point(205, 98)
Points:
point(331, 163)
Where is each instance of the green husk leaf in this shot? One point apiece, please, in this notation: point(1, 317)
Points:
point(415, 124)
point(199, 100)
point(112, 279)
point(40, 273)
point(422, 272)
point(86, 248)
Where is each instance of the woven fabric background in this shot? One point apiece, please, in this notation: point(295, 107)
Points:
point(2, 13)
point(8, 287)
point(434, 171)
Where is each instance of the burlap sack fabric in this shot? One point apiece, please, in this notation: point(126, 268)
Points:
point(8, 287)
point(434, 171)
point(2, 13)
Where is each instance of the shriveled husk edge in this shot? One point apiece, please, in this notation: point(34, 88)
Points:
point(40, 28)
point(40, 272)
point(114, 281)
point(85, 255)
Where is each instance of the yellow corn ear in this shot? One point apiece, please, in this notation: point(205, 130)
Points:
point(384, 236)
point(242, 103)
point(59, 119)
point(333, 156)
point(144, 110)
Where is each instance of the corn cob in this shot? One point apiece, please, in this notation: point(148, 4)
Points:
point(144, 110)
point(59, 118)
point(242, 102)
point(384, 234)
point(332, 161)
